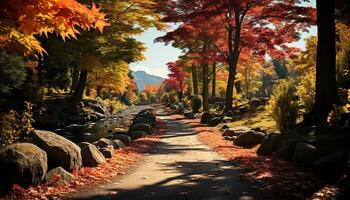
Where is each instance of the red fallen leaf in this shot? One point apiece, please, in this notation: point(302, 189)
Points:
point(121, 161)
point(278, 179)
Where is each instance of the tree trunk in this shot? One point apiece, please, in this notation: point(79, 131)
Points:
point(213, 82)
point(195, 80)
point(233, 44)
point(75, 78)
point(326, 86)
point(78, 93)
point(205, 88)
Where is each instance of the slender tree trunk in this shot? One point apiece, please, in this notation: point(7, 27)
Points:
point(213, 82)
point(98, 91)
point(326, 86)
point(205, 88)
point(233, 44)
point(195, 80)
point(78, 93)
point(75, 78)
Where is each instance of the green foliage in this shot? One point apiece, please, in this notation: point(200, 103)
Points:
point(187, 102)
point(197, 103)
point(281, 68)
point(173, 97)
point(283, 106)
point(15, 127)
point(153, 99)
point(165, 98)
point(12, 72)
point(143, 99)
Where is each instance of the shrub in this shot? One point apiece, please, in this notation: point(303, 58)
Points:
point(165, 98)
point(143, 99)
point(283, 106)
point(306, 90)
point(187, 102)
point(173, 98)
point(15, 127)
point(153, 99)
point(197, 103)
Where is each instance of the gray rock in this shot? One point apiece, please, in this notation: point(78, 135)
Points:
point(249, 139)
point(332, 166)
point(206, 117)
point(92, 157)
point(59, 150)
point(122, 137)
point(304, 154)
point(214, 122)
point(141, 127)
point(83, 144)
point(189, 115)
point(269, 145)
point(286, 148)
point(144, 120)
point(107, 151)
point(235, 131)
point(229, 138)
point(23, 164)
point(103, 142)
point(117, 144)
point(137, 134)
point(58, 176)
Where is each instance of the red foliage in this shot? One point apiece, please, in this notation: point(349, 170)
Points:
point(275, 178)
point(87, 177)
point(177, 77)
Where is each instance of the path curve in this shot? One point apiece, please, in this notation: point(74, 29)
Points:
point(179, 167)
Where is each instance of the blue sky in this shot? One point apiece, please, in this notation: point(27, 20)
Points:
point(158, 54)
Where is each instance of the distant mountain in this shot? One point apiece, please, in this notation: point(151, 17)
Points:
point(142, 79)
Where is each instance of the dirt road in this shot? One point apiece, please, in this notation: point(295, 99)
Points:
point(180, 167)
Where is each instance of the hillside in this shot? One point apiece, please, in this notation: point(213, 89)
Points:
point(142, 79)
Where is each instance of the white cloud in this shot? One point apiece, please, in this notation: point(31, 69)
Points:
point(157, 71)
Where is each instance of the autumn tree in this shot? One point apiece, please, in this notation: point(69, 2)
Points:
point(260, 27)
point(176, 78)
point(22, 20)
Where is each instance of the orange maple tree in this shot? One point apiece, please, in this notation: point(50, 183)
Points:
point(22, 20)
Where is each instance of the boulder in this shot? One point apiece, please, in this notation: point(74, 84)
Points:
point(304, 154)
point(23, 164)
point(229, 138)
point(59, 150)
point(269, 145)
point(58, 176)
point(137, 134)
point(103, 142)
point(214, 122)
point(224, 127)
point(107, 151)
point(122, 137)
point(189, 115)
point(144, 120)
point(120, 131)
point(206, 117)
point(141, 127)
point(235, 131)
point(92, 157)
point(83, 144)
point(117, 144)
point(286, 148)
point(249, 139)
point(243, 109)
point(332, 166)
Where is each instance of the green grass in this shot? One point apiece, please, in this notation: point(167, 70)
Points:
point(261, 119)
